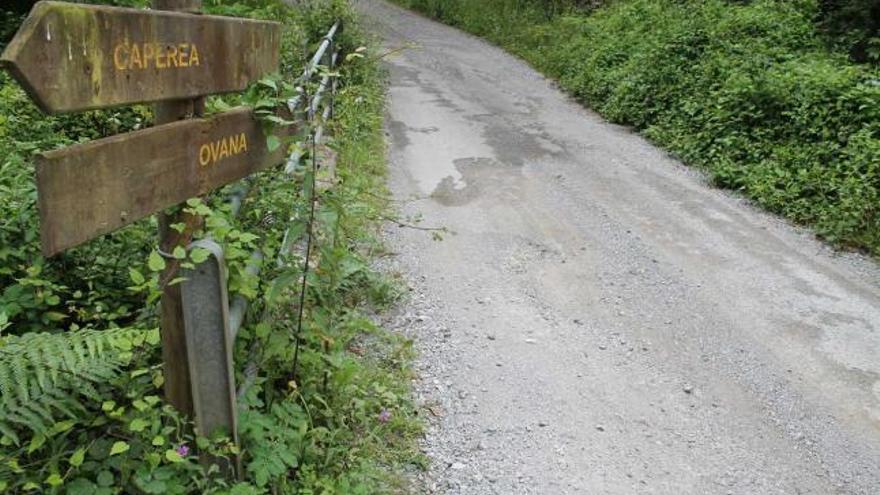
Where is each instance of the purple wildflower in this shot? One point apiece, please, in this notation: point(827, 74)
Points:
point(384, 416)
point(183, 450)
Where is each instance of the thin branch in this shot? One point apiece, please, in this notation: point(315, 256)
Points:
point(402, 224)
point(392, 52)
point(389, 199)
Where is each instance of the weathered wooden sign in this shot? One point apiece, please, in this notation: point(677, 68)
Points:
point(94, 188)
point(77, 57)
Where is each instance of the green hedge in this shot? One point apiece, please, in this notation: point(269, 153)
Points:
point(750, 92)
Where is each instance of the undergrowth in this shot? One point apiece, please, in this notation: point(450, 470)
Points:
point(80, 366)
point(756, 92)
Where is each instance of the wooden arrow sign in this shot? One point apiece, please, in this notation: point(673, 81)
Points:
point(72, 57)
point(93, 188)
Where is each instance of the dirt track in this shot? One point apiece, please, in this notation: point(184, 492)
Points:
point(602, 321)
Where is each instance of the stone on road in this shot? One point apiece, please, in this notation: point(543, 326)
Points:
point(601, 320)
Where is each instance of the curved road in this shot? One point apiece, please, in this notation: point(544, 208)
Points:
point(602, 321)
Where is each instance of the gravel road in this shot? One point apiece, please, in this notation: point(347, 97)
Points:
point(602, 321)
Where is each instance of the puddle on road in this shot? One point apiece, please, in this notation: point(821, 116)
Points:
point(450, 192)
point(438, 139)
point(432, 137)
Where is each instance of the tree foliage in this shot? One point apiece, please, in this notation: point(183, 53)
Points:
point(855, 24)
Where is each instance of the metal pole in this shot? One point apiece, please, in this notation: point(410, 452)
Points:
point(209, 342)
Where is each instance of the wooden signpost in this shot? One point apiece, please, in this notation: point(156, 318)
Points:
point(94, 188)
point(75, 57)
point(71, 57)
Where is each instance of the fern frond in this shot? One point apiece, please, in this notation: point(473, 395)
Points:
point(47, 376)
point(63, 405)
point(8, 431)
point(18, 366)
point(21, 416)
point(7, 383)
point(33, 354)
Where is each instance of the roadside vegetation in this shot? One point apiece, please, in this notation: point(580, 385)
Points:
point(778, 99)
point(80, 365)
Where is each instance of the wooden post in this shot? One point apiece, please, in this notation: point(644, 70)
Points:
point(178, 384)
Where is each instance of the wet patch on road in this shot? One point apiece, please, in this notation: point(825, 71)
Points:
point(481, 177)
